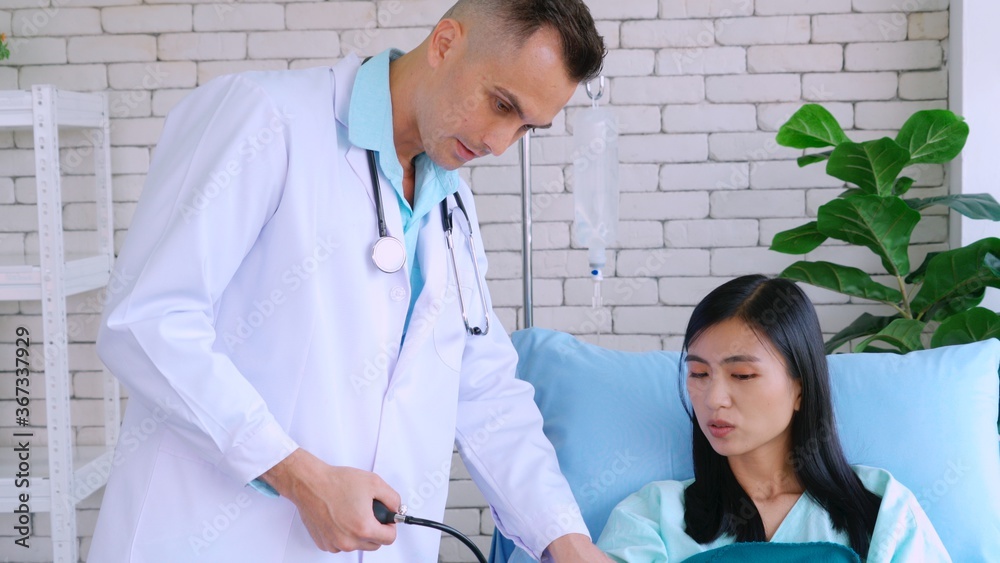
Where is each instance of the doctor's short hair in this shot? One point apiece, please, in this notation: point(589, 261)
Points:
point(516, 20)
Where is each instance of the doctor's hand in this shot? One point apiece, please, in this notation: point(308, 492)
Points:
point(573, 547)
point(335, 503)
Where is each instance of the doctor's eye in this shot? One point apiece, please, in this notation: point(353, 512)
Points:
point(502, 106)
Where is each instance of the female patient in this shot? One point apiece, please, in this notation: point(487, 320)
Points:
point(768, 464)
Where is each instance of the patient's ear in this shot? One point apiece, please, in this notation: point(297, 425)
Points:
point(798, 395)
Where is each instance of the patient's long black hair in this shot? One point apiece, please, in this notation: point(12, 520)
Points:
point(715, 504)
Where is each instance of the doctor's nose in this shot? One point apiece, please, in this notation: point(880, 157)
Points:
point(501, 138)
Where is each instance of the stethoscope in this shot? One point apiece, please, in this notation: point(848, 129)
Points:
point(389, 253)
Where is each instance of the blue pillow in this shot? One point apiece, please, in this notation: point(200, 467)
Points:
point(615, 418)
point(929, 417)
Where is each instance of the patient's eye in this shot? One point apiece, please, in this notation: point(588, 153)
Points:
point(697, 374)
point(744, 376)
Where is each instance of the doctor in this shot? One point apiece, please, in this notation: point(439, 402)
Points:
point(264, 342)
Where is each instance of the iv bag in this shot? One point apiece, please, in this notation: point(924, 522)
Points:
point(595, 181)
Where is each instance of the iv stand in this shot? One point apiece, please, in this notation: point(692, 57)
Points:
point(526, 228)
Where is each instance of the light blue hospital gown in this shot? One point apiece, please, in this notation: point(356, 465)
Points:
point(648, 526)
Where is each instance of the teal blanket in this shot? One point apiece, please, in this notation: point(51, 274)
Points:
point(816, 552)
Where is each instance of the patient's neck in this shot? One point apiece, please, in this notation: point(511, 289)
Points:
point(767, 472)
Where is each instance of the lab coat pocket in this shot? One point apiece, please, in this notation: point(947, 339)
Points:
point(449, 328)
point(173, 444)
point(193, 512)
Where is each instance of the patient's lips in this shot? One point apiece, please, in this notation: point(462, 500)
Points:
point(720, 428)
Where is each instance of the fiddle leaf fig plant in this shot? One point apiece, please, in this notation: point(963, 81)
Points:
point(4, 49)
point(936, 303)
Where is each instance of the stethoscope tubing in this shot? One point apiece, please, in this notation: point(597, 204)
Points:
point(392, 245)
point(383, 231)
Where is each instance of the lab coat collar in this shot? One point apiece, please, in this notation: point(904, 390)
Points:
point(377, 132)
point(344, 74)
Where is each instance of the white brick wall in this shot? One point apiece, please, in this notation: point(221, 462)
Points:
point(753, 88)
point(701, 60)
point(909, 55)
point(146, 19)
point(699, 87)
point(852, 28)
point(850, 86)
point(800, 58)
point(776, 30)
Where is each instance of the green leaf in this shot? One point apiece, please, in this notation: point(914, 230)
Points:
point(813, 158)
point(851, 193)
point(871, 165)
point(956, 273)
point(918, 274)
point(902, 185)
point(871, 349)
point(883, 224)
point(950, 307)
point(903, 334)
point(842, 279)
point(811, 127)
point(973, 206)
point(864, 325)
point(969, 326)
point(933, 136)
point(799, 240)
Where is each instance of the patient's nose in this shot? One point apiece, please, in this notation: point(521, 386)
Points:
point(717, 393)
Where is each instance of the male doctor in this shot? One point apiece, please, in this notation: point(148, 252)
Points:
point(262, 345)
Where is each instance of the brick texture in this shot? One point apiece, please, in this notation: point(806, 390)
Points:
point(699, 88)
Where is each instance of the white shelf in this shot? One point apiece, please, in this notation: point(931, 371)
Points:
point(21, 276)
point(92, 463)
point(73, 109)
point(61, 475)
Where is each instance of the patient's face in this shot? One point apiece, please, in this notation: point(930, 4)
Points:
point(742, 394)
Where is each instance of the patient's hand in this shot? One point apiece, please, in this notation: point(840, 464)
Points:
point(573, 547)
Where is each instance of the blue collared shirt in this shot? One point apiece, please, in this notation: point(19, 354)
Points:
point(370, 127)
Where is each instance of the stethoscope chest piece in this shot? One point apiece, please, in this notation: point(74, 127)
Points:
point(389, 254)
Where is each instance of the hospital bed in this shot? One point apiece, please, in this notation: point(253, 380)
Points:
point(617, 422)
point(930, 417)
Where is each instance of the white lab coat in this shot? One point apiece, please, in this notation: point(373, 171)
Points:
point(253, 321)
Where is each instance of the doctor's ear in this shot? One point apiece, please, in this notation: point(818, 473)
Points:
point(447, 35)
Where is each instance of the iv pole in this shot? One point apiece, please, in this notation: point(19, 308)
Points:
point(526, 227)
